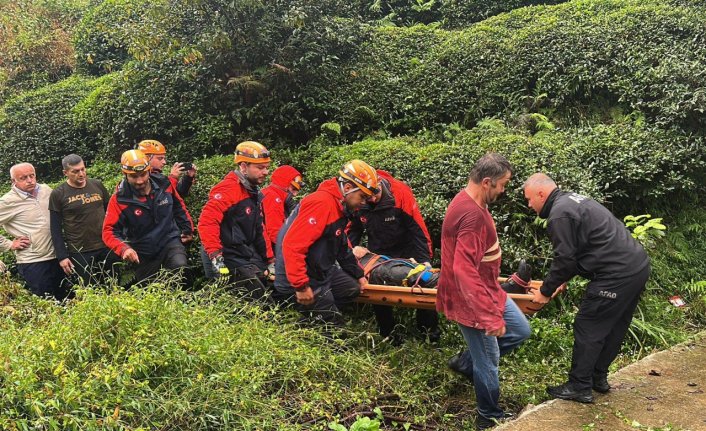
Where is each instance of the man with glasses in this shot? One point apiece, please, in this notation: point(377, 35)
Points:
point(24, 214)
point(231, 225)
point(77, 209)
point(147, 223)
point(315, 266)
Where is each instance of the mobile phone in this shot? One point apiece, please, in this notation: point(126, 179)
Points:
point(187, 166)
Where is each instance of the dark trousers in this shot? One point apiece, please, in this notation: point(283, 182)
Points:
point(96, 266)
point(600, 325)
point(44, 278)
point(427, 320)
point(340, 289)
point(172, 257)
point(249, 282)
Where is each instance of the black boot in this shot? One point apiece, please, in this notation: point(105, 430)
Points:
point(455, 365)
point(600, 383)
point(568, 392)
point(518, 282)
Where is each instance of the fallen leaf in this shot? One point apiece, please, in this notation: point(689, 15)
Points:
point(654, 373)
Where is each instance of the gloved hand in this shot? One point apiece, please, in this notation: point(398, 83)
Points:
point(271, 271)
point(219, 265)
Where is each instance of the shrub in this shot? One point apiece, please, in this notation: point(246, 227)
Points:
point(35, 46)
point(38, 127)
point(625, 165)
point(577, 61)
point(172, 102)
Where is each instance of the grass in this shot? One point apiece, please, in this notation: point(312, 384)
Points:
point(162, 358)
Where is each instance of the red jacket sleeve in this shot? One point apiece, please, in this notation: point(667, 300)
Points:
point(113, 227)
point(305, 229)
point(274, 216)
point(181, 214)
point(210, 220)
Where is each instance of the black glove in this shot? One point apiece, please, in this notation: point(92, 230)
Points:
point(219, 266)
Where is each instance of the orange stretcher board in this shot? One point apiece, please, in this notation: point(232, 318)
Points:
point(418, 297)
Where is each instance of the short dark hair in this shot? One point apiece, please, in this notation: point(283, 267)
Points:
point(492, 165)
point(70, 160)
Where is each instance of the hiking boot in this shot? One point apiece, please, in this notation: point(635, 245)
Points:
point(484, 423)
point(455, 365)
point(600, 384)
point(518, 282)
point(567, 392)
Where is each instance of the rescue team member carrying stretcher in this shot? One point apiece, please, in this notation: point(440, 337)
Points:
point(314, 238)
point(589, 241)
point(395, 228)
point(231, 222)
point(146, 222)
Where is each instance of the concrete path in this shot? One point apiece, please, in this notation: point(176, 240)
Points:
point(665, 391)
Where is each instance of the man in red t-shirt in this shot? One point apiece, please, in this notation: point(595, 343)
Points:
point(468, 289)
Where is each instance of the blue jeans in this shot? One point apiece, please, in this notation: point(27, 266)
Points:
point(481, 358)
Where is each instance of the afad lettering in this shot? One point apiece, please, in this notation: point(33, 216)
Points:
point(577, 198)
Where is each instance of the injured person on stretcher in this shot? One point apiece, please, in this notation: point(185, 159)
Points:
point(407, 283)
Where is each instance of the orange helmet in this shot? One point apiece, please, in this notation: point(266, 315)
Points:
point(151, 147)
point(251, 152)
point(134, 161)
point(362, 175)
point(297, 182)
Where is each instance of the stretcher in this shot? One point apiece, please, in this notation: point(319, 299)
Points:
point(425, 298)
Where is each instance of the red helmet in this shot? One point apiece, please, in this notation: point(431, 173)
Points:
point(251, 152)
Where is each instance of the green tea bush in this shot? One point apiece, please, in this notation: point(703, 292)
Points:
point(35, 43)
point(172, 102)
point(577, 61)
point(39, 127)
point(104, 36)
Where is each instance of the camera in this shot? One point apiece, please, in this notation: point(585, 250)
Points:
point(187, 166)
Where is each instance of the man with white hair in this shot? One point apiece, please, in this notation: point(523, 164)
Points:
point(24, 214)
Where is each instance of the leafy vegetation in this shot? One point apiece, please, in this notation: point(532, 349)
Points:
point(604, 95)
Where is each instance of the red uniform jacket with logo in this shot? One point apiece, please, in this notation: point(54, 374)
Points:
point(231, 223)
point(145, 223)
point(313, 239)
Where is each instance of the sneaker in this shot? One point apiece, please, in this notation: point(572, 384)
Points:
point(600, 384)
point(455, 365)
point(567, 392)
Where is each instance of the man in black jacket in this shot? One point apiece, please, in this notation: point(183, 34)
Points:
point(589, 241)
point(395, 228)
point(146, 222)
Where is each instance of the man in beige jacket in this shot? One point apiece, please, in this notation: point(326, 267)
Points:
point(24, 214)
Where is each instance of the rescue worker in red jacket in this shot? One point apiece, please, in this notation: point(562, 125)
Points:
point(395, 228)
point(278, 201)
point(231, 225)
point(314, 239)
point(146, 222)
point(157, 154)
